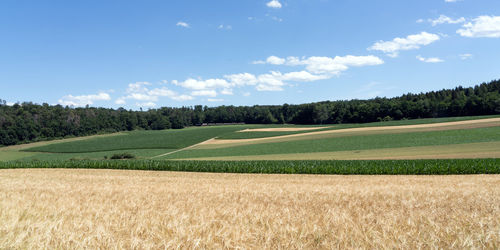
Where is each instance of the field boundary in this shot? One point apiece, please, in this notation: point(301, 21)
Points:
point(182, 149)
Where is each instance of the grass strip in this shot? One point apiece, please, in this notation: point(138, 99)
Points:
point(353, 167)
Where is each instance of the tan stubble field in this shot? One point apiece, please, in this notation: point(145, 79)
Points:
point(53, 208)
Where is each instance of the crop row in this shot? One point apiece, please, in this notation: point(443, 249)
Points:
point(371, 167)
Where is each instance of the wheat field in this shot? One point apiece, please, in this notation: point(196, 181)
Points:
point(55, 208)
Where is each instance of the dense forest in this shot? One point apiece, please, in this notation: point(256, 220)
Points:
point(27, 122)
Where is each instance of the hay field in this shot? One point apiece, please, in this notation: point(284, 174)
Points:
point(54, 208)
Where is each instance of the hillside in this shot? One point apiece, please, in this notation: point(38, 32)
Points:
point(435, 138)
point(28, 122)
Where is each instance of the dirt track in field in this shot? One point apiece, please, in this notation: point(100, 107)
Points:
point(281, 129)
point(403, 128)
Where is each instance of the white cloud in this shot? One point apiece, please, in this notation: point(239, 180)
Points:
point(246, 94)
point(183, 24)
point(303, 76)
point(227, 92)
point(465, 56)
point(194, 84)
point(430, 59)
point(444, 19)
point(210, 93)
point(120, 101)
point(327, 65)
point(392, 48)
point(259, 62)
point(274, 4)
point(270, 82)
point(241, 79)
point(139, 91)
point(317, 68)
point(181, 98)
point(275, 60)
point(145, 104)
point(82, 100)
point(142, 97)
point(358, 61)
point(482, 26)
point(215, 100)
point(451, 1)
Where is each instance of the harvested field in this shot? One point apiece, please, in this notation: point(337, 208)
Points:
point(281, 129)
point(41, 208)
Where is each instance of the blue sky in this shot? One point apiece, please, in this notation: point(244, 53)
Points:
point(151, 54)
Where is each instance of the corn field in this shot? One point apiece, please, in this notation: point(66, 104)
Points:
point(369, 167)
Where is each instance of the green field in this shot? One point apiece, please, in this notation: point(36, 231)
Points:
point(250, 135)
point(464, 137)
point(164, 139)
point(398, 167)
point(360, 142)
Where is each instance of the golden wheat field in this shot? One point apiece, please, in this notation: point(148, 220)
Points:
point(53, 209)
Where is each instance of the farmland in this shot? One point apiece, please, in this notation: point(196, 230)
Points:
point(63, 208)
point(429, 183)
point(443, 138)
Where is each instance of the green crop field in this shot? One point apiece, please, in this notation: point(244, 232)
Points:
point(251, 135)
point(359, 142)
point(464, 137)
point(398, 167)
point(164, 139)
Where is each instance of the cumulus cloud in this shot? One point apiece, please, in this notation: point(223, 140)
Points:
point(316, 68)
point(482, 26)
point(241, 79)
point(140, 91)
point(215, 100)
point(327, 65)
point(275, 60)
point(145, 104)
point(445, 19)
point(302, 76)
point(210, 93)
point(183, 24)
point(429, 59)
point(274, 4)
point(82, 100)
point(120, 101)
point(227, 92)
point(411, 42)
point(195, 84)
point(270, 82)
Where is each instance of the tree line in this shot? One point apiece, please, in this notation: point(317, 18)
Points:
point(28, 122)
